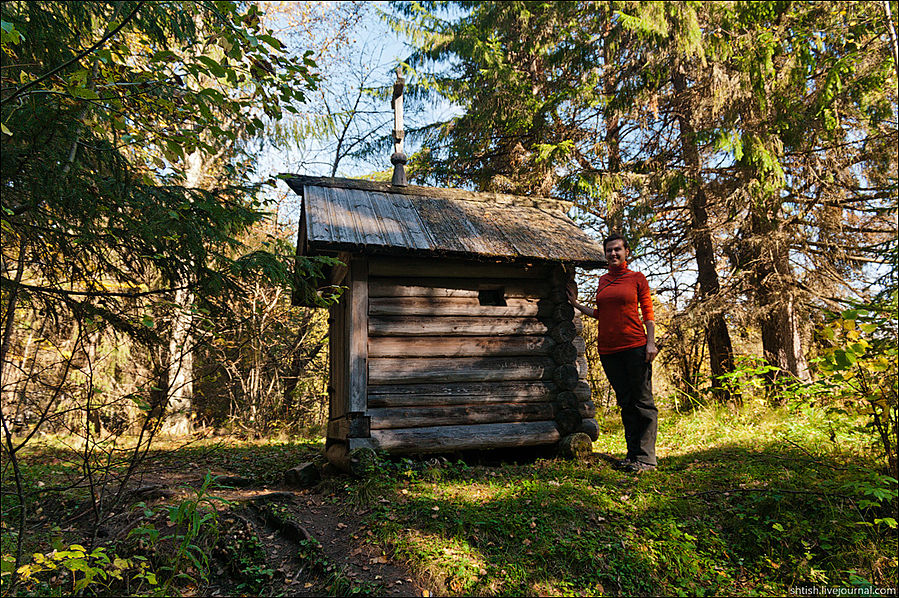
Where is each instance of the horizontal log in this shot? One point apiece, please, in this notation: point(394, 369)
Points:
point(558, 294)
point(590, 428)
point(436, 326)
point(564, 353)
point(583, 370)
point(449, 415)
point(454, 306)
point(563, 332)
point(459, 346)
point(385, 370)
point(580, 344)
point(583, 391)
point(567, 421)
point(376, 401)
point(455, 287)
point(436, 439)
point(563, 311)
point(448, 268)
point(576, 446)
point(586, 410)
point(457, 394)
point(568, 399)
point(565, 376)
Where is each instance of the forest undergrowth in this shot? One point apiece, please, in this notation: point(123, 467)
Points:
point(754, 501)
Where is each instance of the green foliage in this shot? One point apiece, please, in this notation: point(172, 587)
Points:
point(129, 189)
point(102, 141)
point(696, 127)
point(244, 555)
point(860, 357)
point(736, 508)
point(95, 571)
point(516, 68)
point(183, 555)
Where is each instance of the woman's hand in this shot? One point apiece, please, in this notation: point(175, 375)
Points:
point(571, 291)
point(651, 351)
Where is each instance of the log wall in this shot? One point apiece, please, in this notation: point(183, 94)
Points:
point(440, 355)
point(464, 355)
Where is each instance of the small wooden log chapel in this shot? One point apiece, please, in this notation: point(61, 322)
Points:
point(454, 331)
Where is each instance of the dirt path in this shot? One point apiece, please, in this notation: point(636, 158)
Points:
point(314, 543)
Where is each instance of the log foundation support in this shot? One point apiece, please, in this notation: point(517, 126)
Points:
point(576, 446)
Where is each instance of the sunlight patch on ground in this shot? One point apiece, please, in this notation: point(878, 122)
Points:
point(444, 562)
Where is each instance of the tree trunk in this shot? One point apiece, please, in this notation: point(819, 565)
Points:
point(180, 368)
point(778, 320)
point(614, 209)
point(721, 354)
point(179, 396)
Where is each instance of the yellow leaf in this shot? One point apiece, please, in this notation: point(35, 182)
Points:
point(120, 563)
point(5, 130)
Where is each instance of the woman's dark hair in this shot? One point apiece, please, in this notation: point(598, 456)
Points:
point(615, 237)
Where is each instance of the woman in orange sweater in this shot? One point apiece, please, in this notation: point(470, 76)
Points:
point(626, 349)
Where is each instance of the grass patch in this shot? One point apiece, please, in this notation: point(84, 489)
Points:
point(749, 502)
point(743, 503)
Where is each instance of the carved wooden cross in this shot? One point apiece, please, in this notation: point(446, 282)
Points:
point(398, 159)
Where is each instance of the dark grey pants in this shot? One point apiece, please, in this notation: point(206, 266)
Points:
point(631, 379)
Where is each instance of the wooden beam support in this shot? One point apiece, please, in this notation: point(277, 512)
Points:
point(438, 439)
point(357, 305)
point(445, 415)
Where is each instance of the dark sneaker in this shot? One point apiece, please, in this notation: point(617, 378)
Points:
point(639, 467)
point(624, 464)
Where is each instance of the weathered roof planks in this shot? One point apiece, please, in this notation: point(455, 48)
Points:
point(377, 218)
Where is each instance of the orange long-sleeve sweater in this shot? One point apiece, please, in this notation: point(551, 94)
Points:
point(620, 297)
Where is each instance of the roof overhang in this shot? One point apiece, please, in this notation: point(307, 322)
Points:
point(374, 218)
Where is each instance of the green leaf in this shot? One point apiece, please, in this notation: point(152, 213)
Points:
point(217, 69)
point(9, 33)
point(83, 93)
point(166, 55)
point(213, 94)
point(272, 41)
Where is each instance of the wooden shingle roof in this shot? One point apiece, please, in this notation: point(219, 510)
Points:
point(378, 218)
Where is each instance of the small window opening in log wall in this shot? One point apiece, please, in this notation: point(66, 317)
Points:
point(492, 297)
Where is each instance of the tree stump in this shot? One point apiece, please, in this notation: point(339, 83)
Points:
point(576, 446)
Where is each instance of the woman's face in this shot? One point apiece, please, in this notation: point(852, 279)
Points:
point(616, 253)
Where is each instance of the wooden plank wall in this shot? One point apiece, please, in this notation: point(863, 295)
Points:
point(448, 373)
